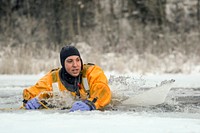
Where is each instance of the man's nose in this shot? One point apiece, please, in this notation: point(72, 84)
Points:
point(74, 63)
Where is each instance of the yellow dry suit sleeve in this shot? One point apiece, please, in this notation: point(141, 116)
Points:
point(100, 92)
point(43, 85)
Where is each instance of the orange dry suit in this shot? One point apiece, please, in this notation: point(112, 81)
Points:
point(93, 86)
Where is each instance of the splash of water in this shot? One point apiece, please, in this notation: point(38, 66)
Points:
point(123, 87)
point(62, 100)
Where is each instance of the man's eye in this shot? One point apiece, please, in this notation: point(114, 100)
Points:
point(69, 61)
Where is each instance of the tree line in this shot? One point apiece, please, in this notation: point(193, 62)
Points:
point(123, 26)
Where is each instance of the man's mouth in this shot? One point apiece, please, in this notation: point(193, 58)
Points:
point(75, 70)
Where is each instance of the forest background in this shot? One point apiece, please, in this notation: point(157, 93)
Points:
point(142, 36)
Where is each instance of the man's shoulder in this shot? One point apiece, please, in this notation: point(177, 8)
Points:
point(86, 67)
point(54, 74)
point(54, 69)
point(90, 67)
point(88, 64)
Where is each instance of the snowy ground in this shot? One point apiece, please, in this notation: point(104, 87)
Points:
point(180, 113)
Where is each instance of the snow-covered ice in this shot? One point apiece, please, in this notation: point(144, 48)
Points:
point(98, 122)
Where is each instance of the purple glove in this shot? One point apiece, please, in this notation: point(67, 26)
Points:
point(33, 104)
point(82, 106)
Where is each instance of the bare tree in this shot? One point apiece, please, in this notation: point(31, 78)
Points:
point(198, 15)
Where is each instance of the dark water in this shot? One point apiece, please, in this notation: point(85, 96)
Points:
point(178, 100)
point(185, 100)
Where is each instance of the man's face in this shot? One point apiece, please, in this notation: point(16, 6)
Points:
point(73, 65)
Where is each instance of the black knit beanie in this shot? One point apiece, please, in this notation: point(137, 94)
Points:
point(66, 52)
